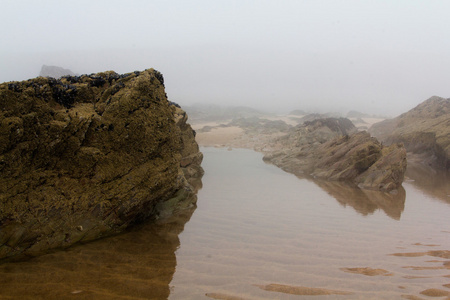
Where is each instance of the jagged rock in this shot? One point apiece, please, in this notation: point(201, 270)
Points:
point(85, 157)
point(55, 72)
point(330, 149)
point(315, 132)
point(424, 130)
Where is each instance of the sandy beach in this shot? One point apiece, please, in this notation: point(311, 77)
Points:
point(219, 137)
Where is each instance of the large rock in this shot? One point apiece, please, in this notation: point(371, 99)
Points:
point(316, 131)
point(331, 149)
point(424, 130)
point(85, 157)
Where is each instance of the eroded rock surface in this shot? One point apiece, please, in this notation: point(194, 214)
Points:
point(88, 156)
point(332, 149)
point(424, 130)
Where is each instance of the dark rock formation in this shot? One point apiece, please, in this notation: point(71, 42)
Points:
point(55, 72)
point(85, 157)
point(424, 130)
point(330, 149)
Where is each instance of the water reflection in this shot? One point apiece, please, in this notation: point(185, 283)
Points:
point(435, 183)
point(366, 202)
point(139, 264)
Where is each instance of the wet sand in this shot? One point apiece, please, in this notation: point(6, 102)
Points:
point(230, 137)
point(367, 271)
point(435, 253)
point(219, 137)
point(300, 290)
point(435, 293)
point(223, 296)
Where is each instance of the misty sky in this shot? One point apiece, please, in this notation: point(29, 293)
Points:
point(371, 56)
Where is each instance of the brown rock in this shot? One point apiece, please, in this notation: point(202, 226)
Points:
point(98, 152)
point(424, 130)
point(327, 152)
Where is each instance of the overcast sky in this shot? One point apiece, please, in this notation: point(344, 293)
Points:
point(371, 56)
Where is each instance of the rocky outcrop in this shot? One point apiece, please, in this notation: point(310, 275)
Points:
point(55, 72)
point(313, 133)
point(331, 149)
point(424, 130)
point(260, 126)
point(85, 157)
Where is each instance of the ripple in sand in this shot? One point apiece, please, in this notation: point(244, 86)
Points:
point(436, 253)
point(435, 293)
point(300, 290)
point(411, 297)
point(416, 277)
point(220, 296)
point(367, 271)
point(420, 268)
point(426, 245)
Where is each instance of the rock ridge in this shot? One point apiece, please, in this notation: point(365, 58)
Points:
point(88, 156)
point(424, 130)
point(332, 149)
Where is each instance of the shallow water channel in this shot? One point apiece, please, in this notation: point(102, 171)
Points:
point(261, 233)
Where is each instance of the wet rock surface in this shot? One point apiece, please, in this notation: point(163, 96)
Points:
point(88, 156)
point(332, 149)
point(424, 130)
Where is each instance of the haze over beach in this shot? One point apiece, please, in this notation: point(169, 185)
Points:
point(224, 149)
point(378, 57)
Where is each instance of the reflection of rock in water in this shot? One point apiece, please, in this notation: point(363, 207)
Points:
point(137, 264)
point(366, 202)
point(433, 182)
